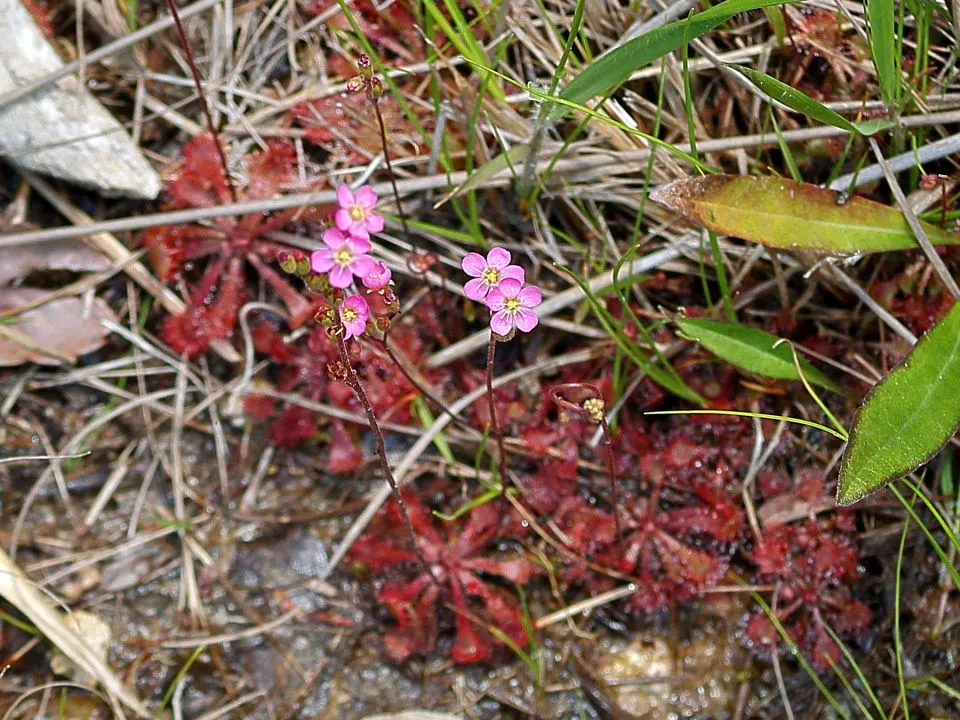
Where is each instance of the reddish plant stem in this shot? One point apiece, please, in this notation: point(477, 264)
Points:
point(353, 380)
point(171, 5)
point(386, 157)
point(601, 419)
point(494, 425)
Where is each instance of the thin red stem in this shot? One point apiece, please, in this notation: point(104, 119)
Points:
point(354, 381)
point(494, 425)
point(393, 179)
point(171, 5)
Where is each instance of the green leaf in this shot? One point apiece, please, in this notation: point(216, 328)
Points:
point(752, 349)
point(883, 48)
point(806, 105)
point(908, 416)
point(615, 68)
point(783, 213)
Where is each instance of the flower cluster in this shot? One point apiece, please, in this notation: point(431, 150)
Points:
point(333, 269)
point(501, 287)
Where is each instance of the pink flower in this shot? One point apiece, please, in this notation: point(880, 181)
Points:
point(355, 215)
point(354, 313)
point(344, 257)
point(511, 304)
point(488, 273)
point(378, 278)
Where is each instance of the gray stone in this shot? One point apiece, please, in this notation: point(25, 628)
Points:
point(62, 130)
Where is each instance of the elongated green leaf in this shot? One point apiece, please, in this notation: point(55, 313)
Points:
point(908, 416)
point(883, 48)
point(752, 349)
point(614, 68)
point(802, 103)
point(786, 214)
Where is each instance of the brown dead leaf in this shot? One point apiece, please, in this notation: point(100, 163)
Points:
point(17, 261)
point(52, 334)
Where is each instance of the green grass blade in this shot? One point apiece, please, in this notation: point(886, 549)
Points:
point(782, 213)
point(806, 105)
point(614, 68)
point(908, 416)
point(762, 416)
point(883, 48)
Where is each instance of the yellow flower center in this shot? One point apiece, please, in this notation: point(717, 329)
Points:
point(349, 315)
point(342, 257)
point(491, 276)
point(358, 213)
point(512, 306)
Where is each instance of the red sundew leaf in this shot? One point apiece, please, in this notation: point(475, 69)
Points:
point(259, 407)
point(212, 312)
point(686, 566)
point(518, 570)
point(164, 245)
point(772, 554)
point(588, 529)
point(377, 555)
point(412, 606)
point(269, 341)
point(269, 170)
point(505, 613)
point(295, 426)
point(344, 456)
point(850, 617)
point(200, 181)
point(469, 646)
point(761, 633)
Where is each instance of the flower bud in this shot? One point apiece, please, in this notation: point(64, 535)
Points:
point(318, 282)
point(303, 266)
point(288, 263)
point(356, 84)
point(376, 87)
point(365, 66)
point(326, 316)
point(384, 324)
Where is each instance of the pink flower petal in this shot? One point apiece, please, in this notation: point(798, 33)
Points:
point(359, 306)
point(475, 289)
point(344, 196)
point(340, 277)
point(342, 218)
point(509, 287)
point(378, 278)
point(374, 222)
point(495, 300)
point(526, 320)
point(358, 231)
point(334, 239)
point(498, 258)
point(362, 265)
point(530, 296)
point(358, 245)
point(514, 272)
point(501, 323)
point(366, 198)
point(321, 261)
point(473, 264)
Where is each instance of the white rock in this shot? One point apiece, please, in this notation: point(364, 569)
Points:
point(62, 130)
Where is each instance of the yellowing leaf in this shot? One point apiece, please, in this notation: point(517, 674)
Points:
point(786, 214)
point(908, 416)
